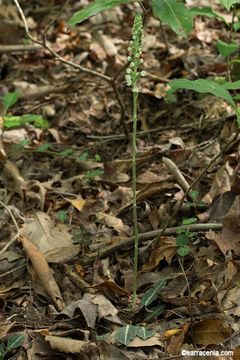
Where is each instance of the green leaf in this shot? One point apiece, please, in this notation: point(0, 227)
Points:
point(84, 156)
point(189, 221)
point(202, 86)
point(236, 26)
point(181, 231)
point(95, 8)
point(97, 158)
point(2, 352)
point(66, 152)
point(153, 293)
point(61, 215)
point(43, 147)
point(10, 99)
point(226, 49)
point(143, 332)
point(228, 3)
point(184, 250)
point(14, 341)
point(182, 240)
point(155, 312)
point(126, 334)
point(191, 234)
point(38, 120)
point(235, 85)
point(91, 174)
point(16, 121)
point(238, 116)
point(206, 11)
point(194, 194)
point(175, 14)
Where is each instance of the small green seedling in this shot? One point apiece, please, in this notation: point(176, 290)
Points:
point(91, 174)
point(12, 121)
point(62, 216)
point(14, 341)
point(184, 236)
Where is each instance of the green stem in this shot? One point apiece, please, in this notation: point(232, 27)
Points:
point(134, 188)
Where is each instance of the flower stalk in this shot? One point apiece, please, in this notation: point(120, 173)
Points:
point(132, 77)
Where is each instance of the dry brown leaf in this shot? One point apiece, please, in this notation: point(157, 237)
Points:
point(112, 286)
point(43, 272)
point(67, 345)
point(176, 341)
point(222, 182)
point(153, 189)
point(155, 340)
point(229, 239)
point(123, 194)
point(49, 237)
point(13, 178)
point(230, 301)
point(236, 353)
point(154, 218)
point(166, 251)
point(5, 327)
point(87, 307)
point(211, 331)
point(114, 222)
point(106, 310)
point(78, 203)
point(36, 192)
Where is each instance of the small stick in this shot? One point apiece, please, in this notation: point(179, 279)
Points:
point(150, 235)
point(174, 170)
point(18, 48)
point(15, 237)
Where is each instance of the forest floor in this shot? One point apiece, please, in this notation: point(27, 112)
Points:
point(66, 242)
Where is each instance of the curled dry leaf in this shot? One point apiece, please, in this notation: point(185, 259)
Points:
point(87, 308)
point(166, 251)
point(13, 178)
point(43, 272)
point(67, 345)
point(35, 192)
point(114, 222)
point(222, 182)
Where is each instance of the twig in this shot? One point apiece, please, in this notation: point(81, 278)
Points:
point(14, 238)
point(174, 170)
point(164, 37)
point(199, 177)
point(149, 236)
point(110, 80)
point(189, 295)
point(18, 48)
point(140, 133)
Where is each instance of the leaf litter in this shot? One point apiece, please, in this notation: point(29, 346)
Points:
point(69, 190)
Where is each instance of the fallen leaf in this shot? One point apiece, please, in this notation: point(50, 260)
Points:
point(49, 237)
point(43, 271)
point(211, 331)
